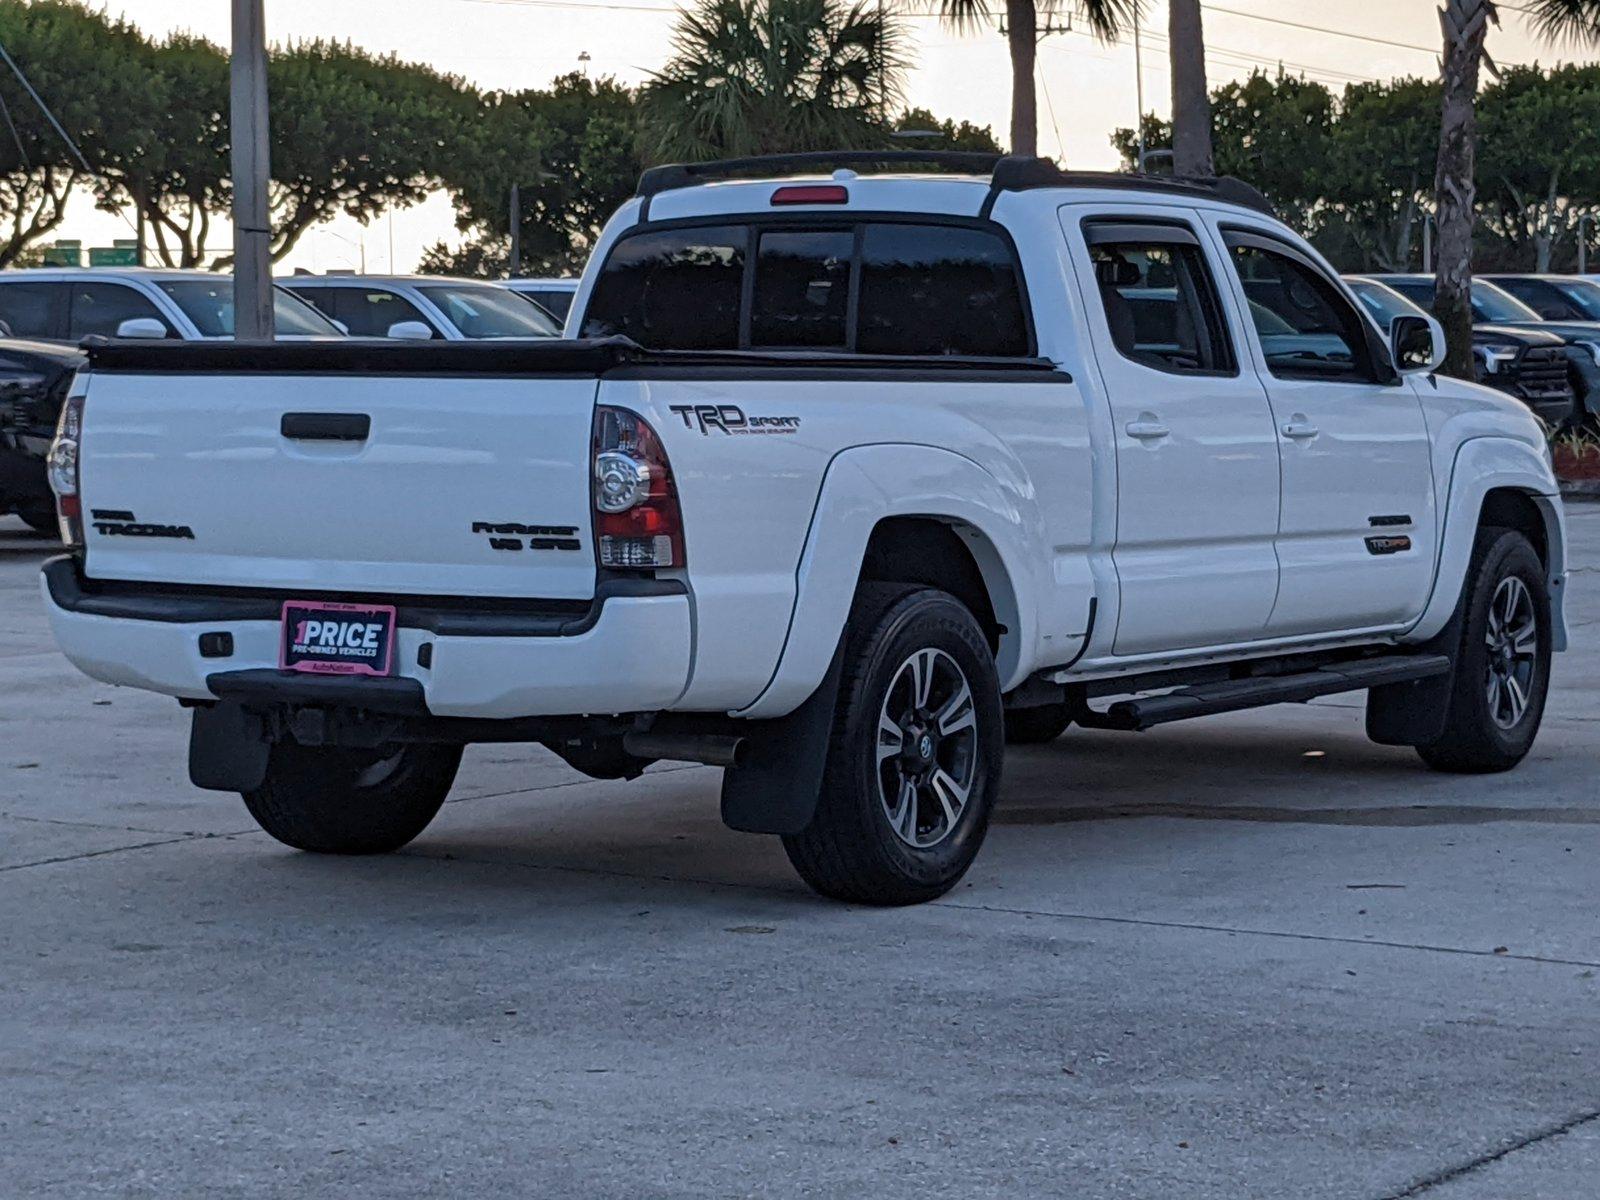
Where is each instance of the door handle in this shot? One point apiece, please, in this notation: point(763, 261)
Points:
point(1147, 429)
point(326, 427)
point(1299, 428)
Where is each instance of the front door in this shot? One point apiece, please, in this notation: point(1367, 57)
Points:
point(1358, 528)
point(1197, 456)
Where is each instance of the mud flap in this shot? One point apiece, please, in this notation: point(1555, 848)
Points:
point(228, 749)
point(1413, 714)
point(776, 792)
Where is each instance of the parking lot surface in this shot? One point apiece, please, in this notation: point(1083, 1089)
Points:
point(1250, 956)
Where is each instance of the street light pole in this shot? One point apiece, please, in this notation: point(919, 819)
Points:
point(1138, 88)
point(252, 227)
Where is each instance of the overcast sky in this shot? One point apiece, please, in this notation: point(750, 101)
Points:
point(1086, 88)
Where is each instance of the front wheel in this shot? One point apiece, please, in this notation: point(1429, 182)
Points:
point(914, 760)
point(1502, 667)
point(332, 800)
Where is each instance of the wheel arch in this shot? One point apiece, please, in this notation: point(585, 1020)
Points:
point(1497, 481)
point(913, 514)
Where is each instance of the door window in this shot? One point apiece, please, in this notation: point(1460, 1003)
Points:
point(366, 312)
point(1159, 299)
point(1307, 329)
point(33, 310)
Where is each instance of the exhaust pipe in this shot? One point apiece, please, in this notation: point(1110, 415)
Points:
point(714, 750)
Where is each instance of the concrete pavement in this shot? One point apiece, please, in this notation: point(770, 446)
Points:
point(1252, 956)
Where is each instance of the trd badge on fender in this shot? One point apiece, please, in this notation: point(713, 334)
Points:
point(337, 639)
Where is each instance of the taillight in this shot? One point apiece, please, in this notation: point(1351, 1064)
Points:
point(637, 524)
point(65, 453)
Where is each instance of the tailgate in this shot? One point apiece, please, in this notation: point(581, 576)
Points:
point(433, 484)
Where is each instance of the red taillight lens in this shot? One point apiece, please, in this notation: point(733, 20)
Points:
point(637, 523)
point(65, 454)
point(811, 193)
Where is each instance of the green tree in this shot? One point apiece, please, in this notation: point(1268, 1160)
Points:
point(771, 76)
point(1539, 157)
point(180, 182)
point(571, 151)
point(966, 136)
point(355, 133)
point(1379, 169)
point(88, 70)
point(1105, 18)
point(1275, 131)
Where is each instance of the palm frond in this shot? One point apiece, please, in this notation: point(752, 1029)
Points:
point(1575, 22)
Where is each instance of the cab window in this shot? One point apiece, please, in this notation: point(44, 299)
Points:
point(1159, 300)
point(1306, 327)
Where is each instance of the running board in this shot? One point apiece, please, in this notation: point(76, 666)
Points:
point(1208, 699)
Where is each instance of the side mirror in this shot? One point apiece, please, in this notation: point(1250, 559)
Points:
point(1417, 344)
point(146, 328)
point(411, 331)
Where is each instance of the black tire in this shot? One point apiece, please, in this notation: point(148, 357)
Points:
point(1478, 735)
point(337, 801)
point(41, 520)
point(1036, 725)
point(851, 851)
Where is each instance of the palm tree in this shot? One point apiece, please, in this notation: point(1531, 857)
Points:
point(772, 76)
point(1106, 19)
point(1191, 106)
point(1466, 25)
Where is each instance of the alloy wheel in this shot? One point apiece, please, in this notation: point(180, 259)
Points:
point(1512, 640)
point(927, 748)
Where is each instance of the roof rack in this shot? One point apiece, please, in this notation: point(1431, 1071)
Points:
point(1007, 173)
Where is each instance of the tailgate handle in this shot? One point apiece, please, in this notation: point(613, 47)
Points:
point(326, 427)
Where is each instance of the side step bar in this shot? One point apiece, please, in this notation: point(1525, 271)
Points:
point(1208, 699)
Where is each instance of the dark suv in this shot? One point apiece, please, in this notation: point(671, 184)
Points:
point(34, 378)
point(1504, 343)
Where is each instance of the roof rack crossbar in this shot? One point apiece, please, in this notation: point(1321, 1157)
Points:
point(679, 175)
point(1007, 173)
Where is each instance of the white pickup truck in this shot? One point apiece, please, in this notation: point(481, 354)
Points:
point(844, 481)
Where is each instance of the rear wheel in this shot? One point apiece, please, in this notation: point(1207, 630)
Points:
point(1502, 667)
point(914, 759)
point(332, 800)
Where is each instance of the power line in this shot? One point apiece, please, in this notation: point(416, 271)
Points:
point(1344, 33)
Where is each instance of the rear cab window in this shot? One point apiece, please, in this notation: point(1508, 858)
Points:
point(865, 286)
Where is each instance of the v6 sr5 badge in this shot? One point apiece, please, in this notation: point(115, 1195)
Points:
point(731, 419)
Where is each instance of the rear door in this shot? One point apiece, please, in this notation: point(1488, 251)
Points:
point(1357, 533)
point(1197, 460)
point(452, 482)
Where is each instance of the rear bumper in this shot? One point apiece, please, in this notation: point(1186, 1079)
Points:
point(630, 652)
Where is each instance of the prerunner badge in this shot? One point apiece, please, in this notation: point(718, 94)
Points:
point(337, 639)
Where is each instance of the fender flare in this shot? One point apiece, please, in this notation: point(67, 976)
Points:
point(1483, 465)
point(867, 484)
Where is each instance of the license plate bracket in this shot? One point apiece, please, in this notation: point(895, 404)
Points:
point(321, 637)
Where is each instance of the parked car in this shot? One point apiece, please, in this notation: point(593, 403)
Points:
point(69, 303)
point(34, 378)
point(1553, 297)
point(848, 480)
point(1494, 306)
point(552, 295)
point(1522, 360)
point(423, 307)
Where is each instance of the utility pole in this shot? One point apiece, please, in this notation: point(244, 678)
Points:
point(1138, 89)
point(515, 264)
point(252, 226)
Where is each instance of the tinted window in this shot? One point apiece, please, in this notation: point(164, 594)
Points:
point(485, 311)
point(1553, 301)
point(1326, 337)
point(934, 289)
point(30, 310)
point(677, 289)
point(1161, 306)
point(209, 304)
point(802, 288)
point(101, 307)
point(366, 312)
point(557, 304)
point(1383, 303)
point(1489, 303)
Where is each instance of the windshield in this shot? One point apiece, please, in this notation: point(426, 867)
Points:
point(210, 306)
point(1490, 305)
point(485, 311)
point(1383, 303)
point(1583, 294)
